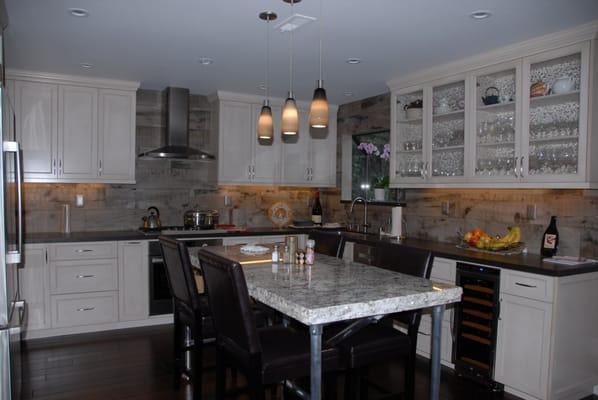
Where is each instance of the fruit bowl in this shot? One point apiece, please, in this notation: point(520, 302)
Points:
point(509, 250)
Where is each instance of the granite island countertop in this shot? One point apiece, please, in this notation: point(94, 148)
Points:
point(336, 290)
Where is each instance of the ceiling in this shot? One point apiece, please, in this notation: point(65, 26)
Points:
point(160, 42)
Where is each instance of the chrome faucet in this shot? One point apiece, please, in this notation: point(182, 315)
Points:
point(365, 211)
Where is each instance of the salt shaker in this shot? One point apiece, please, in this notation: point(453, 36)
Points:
point(286, 255)
point(275, 254)
point(310, 251)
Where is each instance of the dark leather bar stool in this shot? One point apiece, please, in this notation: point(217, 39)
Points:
point(331, 243)
point(191, 311)
point(380, 342)
point(267, 356)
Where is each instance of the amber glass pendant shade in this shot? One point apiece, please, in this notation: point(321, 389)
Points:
point(290, 117)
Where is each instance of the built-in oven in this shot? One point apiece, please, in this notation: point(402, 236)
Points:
point(160, 301)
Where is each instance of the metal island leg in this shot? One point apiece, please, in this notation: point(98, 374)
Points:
point(437, 312)
point(316, 361)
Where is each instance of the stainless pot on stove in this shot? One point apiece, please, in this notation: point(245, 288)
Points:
point(200, 219)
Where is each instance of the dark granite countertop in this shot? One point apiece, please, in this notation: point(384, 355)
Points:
point(525, 262)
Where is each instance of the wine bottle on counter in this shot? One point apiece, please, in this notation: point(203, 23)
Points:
point(550, 239)
point(316, 210)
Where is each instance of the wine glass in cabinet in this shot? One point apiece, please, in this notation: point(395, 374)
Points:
point(555, 113)
point(496, 149)
point(448, 134)
point(408, 138)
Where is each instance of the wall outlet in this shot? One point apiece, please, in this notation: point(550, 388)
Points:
point(447, 207)
point(79, 200)
point(532, 211)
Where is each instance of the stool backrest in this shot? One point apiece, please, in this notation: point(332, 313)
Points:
point(179, 272)
point(230, 304)
point(406, 260)
point(329, 243)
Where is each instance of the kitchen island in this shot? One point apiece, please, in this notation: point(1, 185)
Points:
point(334, 290)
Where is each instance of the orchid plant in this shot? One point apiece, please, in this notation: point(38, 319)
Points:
point(371, 150)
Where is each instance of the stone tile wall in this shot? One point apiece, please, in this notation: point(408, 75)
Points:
point(491, 210)
point(172, 186)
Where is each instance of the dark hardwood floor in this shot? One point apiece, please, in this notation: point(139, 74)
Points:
point(135, 364)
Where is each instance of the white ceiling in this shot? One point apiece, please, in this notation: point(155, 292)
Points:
point(159, 42)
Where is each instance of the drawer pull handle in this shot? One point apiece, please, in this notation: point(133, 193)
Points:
point(86, 309)
point(83, 250)
point(525, 285)
point(85, 276)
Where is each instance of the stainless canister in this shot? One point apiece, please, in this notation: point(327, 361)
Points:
point(291, 242)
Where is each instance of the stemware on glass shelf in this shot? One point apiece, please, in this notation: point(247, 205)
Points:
point(410, 131)
point(554, 117)
point(448, 130)
point(496, 123)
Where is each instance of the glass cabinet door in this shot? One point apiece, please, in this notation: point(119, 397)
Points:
point(496, 133)
point(409, 137)
point(448, 132)
point(556, 127)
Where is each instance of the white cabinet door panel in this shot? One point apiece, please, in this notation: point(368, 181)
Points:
point(116, 139)
point(323, 156)
point(133, 280)
point(236, 142)
point(36, 110)
point(32, 282)
point(295, 154)
point(523, 345)
point(78, 127)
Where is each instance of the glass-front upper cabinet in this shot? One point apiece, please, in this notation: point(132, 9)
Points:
point(408, 138)
point(447, 151)
point(555, 112)
point(496, 123)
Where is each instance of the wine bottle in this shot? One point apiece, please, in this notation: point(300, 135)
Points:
point(550, 239)
point(316, 210)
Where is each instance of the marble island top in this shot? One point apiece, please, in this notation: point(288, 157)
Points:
point(335, 290)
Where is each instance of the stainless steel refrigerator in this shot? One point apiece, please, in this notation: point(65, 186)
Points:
point(12, 307)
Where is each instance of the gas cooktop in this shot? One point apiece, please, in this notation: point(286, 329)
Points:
point(179, 230)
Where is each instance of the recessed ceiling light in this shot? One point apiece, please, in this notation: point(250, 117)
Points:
point(353, 60)
point(348, 94)
point(206, 61)
point(86, 65)
point(480, 14)
point(78, 12)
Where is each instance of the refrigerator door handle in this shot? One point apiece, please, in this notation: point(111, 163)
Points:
point(14, 257)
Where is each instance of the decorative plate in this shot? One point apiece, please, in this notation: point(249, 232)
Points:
point(280, 214)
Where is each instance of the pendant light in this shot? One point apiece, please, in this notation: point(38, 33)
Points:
point(265, 125)
point(318, 113)
point(290, 115)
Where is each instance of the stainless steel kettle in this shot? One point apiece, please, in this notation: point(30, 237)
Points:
point(152, 221)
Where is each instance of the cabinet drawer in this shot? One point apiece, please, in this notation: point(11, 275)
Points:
point(444, 270)
point(83, 276)
point(83, 251)
point(531, 286)
point(84, 309)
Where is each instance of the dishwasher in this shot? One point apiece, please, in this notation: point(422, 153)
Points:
point(476, 323)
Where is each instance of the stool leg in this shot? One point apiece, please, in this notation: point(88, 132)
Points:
point(177, 350)
point(220, 375)
point(196, 362)
point(363, 384)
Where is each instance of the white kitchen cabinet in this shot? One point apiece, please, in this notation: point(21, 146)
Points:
point(523, 344)
point(514, 141)
point(235, 142)
point(33, 285)
point(116, 144)
point(133, 280)
point(309, 159)
point(78, 127)
point(73, 129)
point(36, 113)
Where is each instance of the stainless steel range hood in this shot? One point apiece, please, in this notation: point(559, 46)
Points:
point(177, 130)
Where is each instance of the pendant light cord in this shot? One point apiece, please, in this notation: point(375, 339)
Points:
point(291, 54)
point(267, 58)
point(320, 39)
